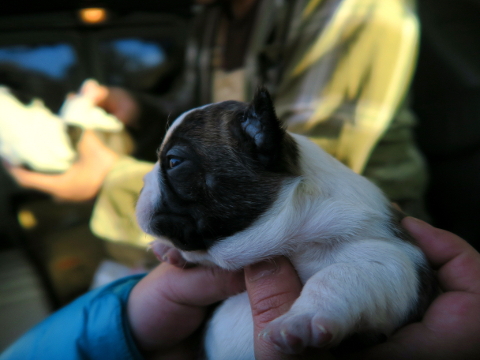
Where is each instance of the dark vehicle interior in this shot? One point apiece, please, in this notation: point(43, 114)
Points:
point(48, 255)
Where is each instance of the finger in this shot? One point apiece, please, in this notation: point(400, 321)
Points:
point(122, 104)
point(397, 207)
point(98, 93)
point(58, 185)
point(90, 144)
point(170, 303)
point(449, 330)
point(180, 297)
point(200, 286)
point(457, 261)
point(411, 342)
point(159, 249)
point(440, 246)
point(30, 179)
point(272, 287)
point(169, 254)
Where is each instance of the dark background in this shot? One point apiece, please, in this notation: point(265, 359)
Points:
point(446, 99)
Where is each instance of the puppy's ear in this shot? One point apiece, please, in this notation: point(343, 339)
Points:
point(261, 125)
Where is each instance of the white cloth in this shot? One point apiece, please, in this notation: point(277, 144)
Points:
point(80, 109)
point(32, 135)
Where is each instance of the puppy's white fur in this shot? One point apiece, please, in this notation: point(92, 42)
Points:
point(333, 226)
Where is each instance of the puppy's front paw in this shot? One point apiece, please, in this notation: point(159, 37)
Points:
point(292, 333)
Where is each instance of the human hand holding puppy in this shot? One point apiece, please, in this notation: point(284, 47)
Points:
point(450, 327)
point(170, 304)
point(167, 307)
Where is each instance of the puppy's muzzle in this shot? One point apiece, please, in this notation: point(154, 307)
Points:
point(179, 229)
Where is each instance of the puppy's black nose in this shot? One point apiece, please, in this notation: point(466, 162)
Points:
point(188, 245)
point(179, 229)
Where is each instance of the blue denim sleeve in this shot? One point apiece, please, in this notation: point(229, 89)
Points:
point(94, 326)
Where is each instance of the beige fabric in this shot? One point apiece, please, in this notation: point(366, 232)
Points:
point(228, 85)
point(113, 217)
point(367, 83)
point(121, 142)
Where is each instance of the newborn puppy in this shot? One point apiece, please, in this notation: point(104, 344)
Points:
point(231, 187)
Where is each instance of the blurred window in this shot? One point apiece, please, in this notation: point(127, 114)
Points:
point(54, 61)
point(139, 64)
point(47, 71)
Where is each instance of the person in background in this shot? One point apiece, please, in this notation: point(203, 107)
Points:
point(338, 70)
point(159, 316)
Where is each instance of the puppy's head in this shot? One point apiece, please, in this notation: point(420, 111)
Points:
point(220, 167)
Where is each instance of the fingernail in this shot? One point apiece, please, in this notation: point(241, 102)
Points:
point(397, 207)
point(414, 219)
point(413, 223)
point(262, 269)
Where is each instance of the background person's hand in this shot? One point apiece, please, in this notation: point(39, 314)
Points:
point(120, 103)
point(81, 181)
point(169, 305)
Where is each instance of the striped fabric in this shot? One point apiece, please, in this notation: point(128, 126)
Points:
point(348, 66)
